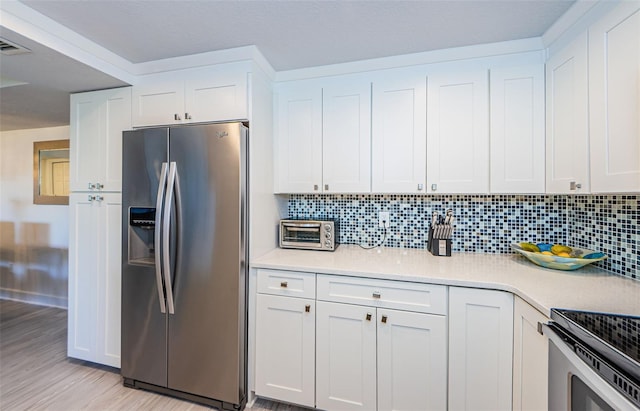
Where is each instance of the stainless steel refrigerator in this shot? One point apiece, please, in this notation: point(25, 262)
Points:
point(184, 262)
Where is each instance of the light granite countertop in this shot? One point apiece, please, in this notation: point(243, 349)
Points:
point(587, 288)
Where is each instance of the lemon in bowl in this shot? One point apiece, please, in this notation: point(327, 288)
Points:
point(558, 256)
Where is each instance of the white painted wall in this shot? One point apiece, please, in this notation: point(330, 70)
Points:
point(34, 238)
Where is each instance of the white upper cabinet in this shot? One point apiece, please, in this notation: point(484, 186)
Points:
point(517, 129)
point(323, 136)
point(567, 137)
point(399, 135)
point(97, 120)
point(158, 103)
point(298, 136)
point(192, 96)
point(614, 100)
point(458, 132)
point(346, 135)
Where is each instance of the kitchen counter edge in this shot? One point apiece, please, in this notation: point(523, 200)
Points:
point(589, 288)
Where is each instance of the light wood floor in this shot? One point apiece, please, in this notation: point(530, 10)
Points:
point(35, 373)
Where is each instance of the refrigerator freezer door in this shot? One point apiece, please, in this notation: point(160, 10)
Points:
point(144, 326)
point(206, 340)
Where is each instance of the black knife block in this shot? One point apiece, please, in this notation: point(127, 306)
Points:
point(440, 247)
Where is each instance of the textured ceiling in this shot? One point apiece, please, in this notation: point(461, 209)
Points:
point(290, 34)
point(295, 34)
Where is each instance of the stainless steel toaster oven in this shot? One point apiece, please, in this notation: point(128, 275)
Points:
point(309, 234)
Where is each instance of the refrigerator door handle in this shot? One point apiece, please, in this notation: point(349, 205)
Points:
point(168, 202)
point(158, 236)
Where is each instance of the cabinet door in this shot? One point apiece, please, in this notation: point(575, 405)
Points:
point(298, 136)
point(412, 361)
point(458, 132)
point(614, 100)
point(399, 135)
point(567, 140)
point(158, 103)
point(480, 349)
point(108, 289)
point(346, 136)
point(285, 349)
point(85, 141)
point(116, 112)
point(97, 121)
point(216, 95)
point(84, 268)
point(517, 129)
point(530, 358)
point(94, 278)
point(345, 357)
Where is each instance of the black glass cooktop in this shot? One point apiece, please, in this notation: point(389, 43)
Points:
point(613, 336)
point(619, 331)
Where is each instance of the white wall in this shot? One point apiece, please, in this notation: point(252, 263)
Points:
point(34, 238)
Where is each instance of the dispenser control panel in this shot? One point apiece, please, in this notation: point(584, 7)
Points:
point(144, 217)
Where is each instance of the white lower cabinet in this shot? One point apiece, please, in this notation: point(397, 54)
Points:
point(95, 277)
point(412, 361)
point(285, 336)
point(373, 354)
point(345, 357)
point(530, 358)
point(351, 343)
point(480, 349)
point(285, 349)
point(405, 350)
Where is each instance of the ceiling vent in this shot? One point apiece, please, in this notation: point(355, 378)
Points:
point(9, 48)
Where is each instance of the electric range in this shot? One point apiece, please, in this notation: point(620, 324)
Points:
point(608, 343)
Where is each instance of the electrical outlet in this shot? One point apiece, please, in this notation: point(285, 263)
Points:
point(383, 219)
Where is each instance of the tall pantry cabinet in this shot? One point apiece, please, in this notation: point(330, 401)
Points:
point(97, 121)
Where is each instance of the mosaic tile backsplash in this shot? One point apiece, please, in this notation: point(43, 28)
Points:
point(488, 223)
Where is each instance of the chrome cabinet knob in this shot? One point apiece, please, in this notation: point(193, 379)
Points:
point(99, 186)
point(91, 198)
point(187, 116)
point(434, 187)
point(307, 308)
point(383, 319)
point(326, 187)
point(574, 186)
point(368, 317)
point(315, 187)
point(420, 187)
point(91, 186)
point(176, 117)
point(376, 294)
point(283, 284)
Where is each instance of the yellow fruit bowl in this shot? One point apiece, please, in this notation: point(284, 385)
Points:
point(549, 260)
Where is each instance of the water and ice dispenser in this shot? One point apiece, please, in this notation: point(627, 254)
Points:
point(142, 224)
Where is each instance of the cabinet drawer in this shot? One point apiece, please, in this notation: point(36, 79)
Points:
point(290, 283)
point(425, 298)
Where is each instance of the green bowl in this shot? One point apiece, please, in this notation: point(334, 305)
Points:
point(558, 263)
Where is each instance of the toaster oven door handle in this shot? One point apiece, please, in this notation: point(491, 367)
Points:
point(304, 229)
point(303, 225)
